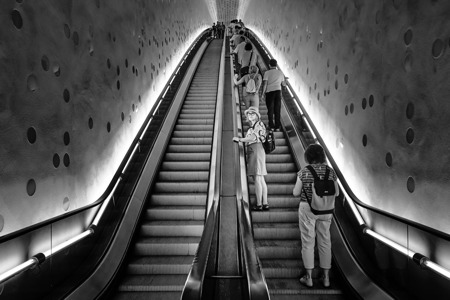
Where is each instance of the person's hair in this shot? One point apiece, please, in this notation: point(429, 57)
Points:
point(273, 62)
point(314, 154)
point(253, 69)
point(248, 47)
point(241, 32)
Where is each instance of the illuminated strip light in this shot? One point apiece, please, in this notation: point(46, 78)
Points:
point(105, 204)
point(131, 157)
point(18, 269)
point(351, 203)
point(67, 243)
point(435, 267)
point(145, 129)
point(389, 242)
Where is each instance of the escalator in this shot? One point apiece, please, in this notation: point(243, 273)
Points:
point(276, 232)
point(172, 223)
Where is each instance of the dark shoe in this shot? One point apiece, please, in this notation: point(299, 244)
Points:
point(265, 207)
point(257, 208)
point(277, 129)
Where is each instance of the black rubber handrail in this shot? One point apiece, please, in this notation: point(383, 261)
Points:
point(344, 183)
point(118, 173)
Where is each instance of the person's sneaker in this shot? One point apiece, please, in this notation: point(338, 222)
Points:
point(326, 281)
point(265, 207)
point(306, 280)
point(257, 208)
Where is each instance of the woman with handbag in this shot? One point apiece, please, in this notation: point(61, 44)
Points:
point(256, 157)
point(250, 92)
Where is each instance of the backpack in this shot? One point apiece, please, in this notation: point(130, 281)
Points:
point(268, 141)
point(323, 193)
point(245, 70)
point(250, 86)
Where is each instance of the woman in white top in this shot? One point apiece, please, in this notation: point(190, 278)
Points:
point(256, 157)
point(250, 98)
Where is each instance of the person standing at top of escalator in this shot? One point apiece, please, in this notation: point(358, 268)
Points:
point(312, 225)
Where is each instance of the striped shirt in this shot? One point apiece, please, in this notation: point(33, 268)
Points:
point(307, 178)
point(258, 130)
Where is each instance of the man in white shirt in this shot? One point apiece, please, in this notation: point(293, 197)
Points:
point(272, 82)
point(238, 52)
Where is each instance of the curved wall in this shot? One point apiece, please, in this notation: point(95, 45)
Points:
point(373, 76)
point(77, 80)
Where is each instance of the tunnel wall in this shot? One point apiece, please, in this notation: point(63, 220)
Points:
point(373, 76)
point(77, 80)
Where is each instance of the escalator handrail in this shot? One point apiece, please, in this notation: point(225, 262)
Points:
point(120, 170)
point(257, 285)
point(194, 282)
point(341, 177)
point(352, 199)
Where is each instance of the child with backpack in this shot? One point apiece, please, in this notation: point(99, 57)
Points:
point(250, 89)
point(317, 187)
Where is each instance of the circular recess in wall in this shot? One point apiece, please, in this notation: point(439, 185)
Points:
point(336, 84)
point(108, 127)
point(364, 103)
point(336, 70)
point(139, 99)
point(145, 69)
point(438, 48)
point(410, 110)
point(315, 86)
point(66, 95)
point(56, 71)
point(328, 63)
point(45, 63)
point(318, 96)
point(310, 90)
point(126, 63)
point(16, 18)
point(56, 160)
point(66, 160)
point(307, 71)
point(31, 187)
point(410, 136)
point(133, 107)
point(410, 184)
point(75, 38)
point(118, 84)
point(137, 72)
point(90, 123)
point(122, 116)
point(364, 140)
point(324, 92)
point(132, 69)
point(97, 3)
point(66, 203)
point(108, 63)
point(371, 100)
point(67, 31)
point(346, 110)
point(130, 118)
point(31, 135)
point(352, 108)
point(408, 37)
point(118, 70)
point(346, 78)
point(2, 223)
point(139, 52)
point(66, 138)
point(32, 83)
point(408, 61)
point(388, 159)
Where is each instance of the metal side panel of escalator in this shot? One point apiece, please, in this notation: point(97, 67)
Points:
point(172, 222)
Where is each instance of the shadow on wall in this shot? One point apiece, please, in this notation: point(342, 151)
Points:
point(373, 76)
point(77, 81)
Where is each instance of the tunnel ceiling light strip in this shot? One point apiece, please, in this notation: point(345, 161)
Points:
point(17, 269)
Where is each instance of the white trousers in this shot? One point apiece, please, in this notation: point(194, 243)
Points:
point(312, 225)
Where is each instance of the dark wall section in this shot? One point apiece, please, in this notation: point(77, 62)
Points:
point(77, 79)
